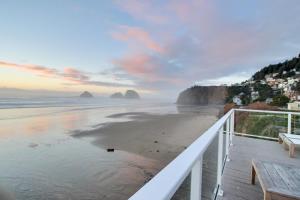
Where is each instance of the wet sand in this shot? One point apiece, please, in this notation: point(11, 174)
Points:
point(40, 159)
point(158, 137)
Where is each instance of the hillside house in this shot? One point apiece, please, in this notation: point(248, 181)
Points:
point(237, 100)
point(254, 95)
point(269, 100)
point(294, 105)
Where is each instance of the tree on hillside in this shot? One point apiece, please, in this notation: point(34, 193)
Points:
point(297, 66)
point(237, 90)
point(264, 90)
point(279, 68)
point(280, 100)
point(297, 87)
point(289, 74)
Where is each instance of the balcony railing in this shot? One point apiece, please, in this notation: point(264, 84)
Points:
point(164, 185)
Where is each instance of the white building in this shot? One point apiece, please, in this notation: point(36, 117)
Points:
point(263, 82)
point(291, 81)
point(237, 100)
point(267, 76)
point(280, 80)
point(254, 95)
point(294, 106)
point(269, 100)
point(269, 79)
point(275, 74)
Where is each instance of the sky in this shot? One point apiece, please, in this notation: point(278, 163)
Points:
point(157, 48)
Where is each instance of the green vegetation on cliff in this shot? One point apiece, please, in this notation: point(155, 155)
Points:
point(283, 70)
point(263, 125)
point(280, 100)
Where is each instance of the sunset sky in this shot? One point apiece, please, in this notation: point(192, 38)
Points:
point(154, 47)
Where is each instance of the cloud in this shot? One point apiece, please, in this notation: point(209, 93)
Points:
point(37, 69)
point(207, 40)
point(137, 65)
point(228, 80)
point(138, 37)
point(72, 75)
point(148, 68)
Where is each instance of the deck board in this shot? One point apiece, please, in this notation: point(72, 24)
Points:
point(236, 182)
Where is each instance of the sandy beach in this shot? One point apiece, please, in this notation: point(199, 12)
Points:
point(157, 137)
point(160, 137)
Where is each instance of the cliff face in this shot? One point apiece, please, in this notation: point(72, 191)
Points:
point(203, 95)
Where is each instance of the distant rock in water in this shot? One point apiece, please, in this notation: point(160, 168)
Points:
point(203, 95)
point(86, 94)
point(131, 94)
point(117, 95)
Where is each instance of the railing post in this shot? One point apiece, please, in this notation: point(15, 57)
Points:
point(227, 138)
point(196, 180)
point(289, 128)
point(231, 127)
point(220, 155)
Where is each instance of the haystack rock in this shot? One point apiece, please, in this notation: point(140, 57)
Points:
point(131, 94)
point(86, 94)
point(117, 95)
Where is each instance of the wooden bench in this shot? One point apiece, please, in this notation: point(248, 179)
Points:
point(278, 181)
point(290, 141)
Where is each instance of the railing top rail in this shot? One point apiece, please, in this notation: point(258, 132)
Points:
point(167, 181)
point(267, 111)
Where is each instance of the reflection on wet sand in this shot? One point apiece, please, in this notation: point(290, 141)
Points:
point(5, 194)
point(40, 161)
point(70, 120)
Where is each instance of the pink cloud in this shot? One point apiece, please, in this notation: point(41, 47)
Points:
point(67, 74)
point(38, 69)
point(138, 65)
point(201, 39)
point(137, 36)
point(144, 66)
point(74, 75)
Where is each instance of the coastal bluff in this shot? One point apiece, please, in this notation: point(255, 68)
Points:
point(203, 95)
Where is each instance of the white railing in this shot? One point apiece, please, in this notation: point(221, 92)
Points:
point(164, 185)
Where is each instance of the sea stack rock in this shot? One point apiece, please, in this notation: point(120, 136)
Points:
point(203, 95)
point(131, 94)
point(86, 94)
point(117, 95)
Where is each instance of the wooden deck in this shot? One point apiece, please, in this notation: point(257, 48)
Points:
point(236, 182)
